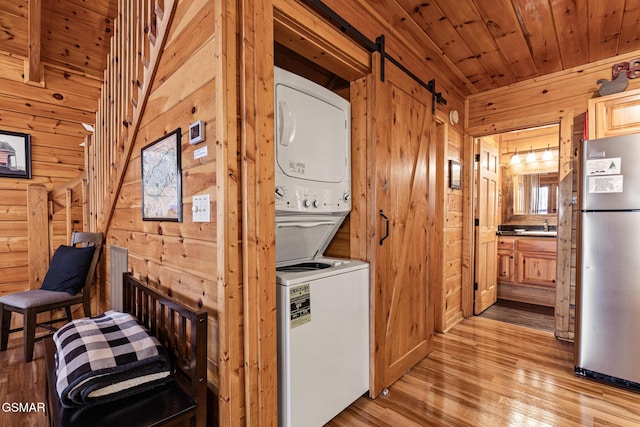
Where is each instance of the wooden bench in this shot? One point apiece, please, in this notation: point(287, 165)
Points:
point(183, 332)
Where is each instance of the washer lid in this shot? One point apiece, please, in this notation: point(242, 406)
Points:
point(303, 237)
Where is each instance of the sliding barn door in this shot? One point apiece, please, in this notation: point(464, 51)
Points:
point(401, 333)
point(486, 287)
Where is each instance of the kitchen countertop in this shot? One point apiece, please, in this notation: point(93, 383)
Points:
point(528, 233)
point(527, 230)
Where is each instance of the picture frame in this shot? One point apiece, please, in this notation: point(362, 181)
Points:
point(162, 179)
point(15, 155)
point(455, 175)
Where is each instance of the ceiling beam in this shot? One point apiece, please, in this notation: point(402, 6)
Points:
point(33, 72)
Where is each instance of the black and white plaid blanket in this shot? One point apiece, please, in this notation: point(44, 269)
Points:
point(107, 357)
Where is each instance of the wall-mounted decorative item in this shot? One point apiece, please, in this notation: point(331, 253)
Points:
point(15, 155)
point(455, 174)
point(616, 85)
point(620, 75)
point(631, 69)
point(617, 69)
point(162, 179)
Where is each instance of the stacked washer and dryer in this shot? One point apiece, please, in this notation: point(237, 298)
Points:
point(322, 303)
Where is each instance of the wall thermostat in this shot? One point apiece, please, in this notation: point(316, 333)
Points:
point(196, 132)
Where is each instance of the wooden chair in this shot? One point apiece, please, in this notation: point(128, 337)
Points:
point(30, 303)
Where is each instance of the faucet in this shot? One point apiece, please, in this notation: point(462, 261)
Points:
point(546, 225)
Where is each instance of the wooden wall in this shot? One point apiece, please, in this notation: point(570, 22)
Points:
point(453, 233)
point(179, 257)
point(542, 101)
point(447, 241)
point(57, 157)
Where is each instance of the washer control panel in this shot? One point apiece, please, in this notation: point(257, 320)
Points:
point(311, 199)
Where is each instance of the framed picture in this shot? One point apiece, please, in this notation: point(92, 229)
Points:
point(162, 179)
point(455, 174)
point(15, 155)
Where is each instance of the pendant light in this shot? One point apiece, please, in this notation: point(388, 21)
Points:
point(515, 159)
point(531, 157)
point(547, 155)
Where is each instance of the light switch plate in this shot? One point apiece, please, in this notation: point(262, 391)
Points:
point(201, 208)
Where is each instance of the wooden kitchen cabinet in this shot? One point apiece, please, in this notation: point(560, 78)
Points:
point(506, 259)
point(527, 269)
point(536, 261)
point(612, 115)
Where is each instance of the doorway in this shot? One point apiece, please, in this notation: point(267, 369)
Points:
point(518, 313)
point(516, 222)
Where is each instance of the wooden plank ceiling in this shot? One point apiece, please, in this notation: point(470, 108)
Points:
point(493, 43)
point(53, 54)
point(486, 43)
point(75, 34)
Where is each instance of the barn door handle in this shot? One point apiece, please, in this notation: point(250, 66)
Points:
point(386, 226)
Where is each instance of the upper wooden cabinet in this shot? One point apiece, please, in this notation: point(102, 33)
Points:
point(612, 115)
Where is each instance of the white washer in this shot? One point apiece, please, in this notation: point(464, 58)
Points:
point(323, 340)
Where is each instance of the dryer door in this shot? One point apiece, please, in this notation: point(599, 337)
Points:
point(312, 135)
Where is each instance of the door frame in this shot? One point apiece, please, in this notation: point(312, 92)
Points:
point(565, 206)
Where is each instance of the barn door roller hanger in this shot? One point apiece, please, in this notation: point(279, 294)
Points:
point(377, 46)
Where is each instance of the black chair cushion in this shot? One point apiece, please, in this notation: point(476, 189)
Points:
point(68, 269)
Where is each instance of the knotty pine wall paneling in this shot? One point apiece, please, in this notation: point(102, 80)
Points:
point(453, 232)
point(446, 228)
point(178, 257)
point(56, 158)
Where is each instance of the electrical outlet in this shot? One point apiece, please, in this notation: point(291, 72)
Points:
point(201, 208)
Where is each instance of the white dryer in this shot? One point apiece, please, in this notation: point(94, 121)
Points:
point(313, 148)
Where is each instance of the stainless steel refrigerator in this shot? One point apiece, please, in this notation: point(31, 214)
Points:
point(608, 287)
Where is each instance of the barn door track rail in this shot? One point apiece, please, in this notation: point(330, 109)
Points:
point(377, 46)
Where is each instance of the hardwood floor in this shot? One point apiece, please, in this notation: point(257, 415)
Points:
point(22, 383)
point(481, 373)
point(532, 316)
point(488, 373)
